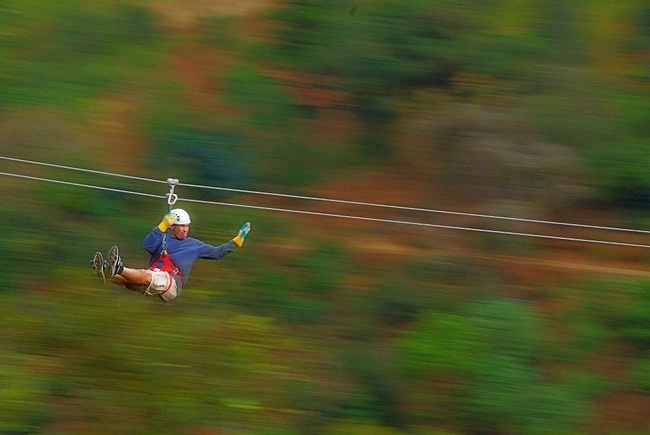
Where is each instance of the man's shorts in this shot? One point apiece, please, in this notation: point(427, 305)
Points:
point(162, 285)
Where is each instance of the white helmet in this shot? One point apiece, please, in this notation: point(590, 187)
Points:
point(181, 217)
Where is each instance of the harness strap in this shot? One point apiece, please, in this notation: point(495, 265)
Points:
point(171, 200)
point(167, 266)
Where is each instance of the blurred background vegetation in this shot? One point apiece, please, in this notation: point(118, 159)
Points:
point(527, 108)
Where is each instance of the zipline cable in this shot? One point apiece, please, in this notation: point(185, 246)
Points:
point(91, 186)
point(451, 227)
point(341, 201)
point(72, 168)
point(361, 218)
point(428, 210)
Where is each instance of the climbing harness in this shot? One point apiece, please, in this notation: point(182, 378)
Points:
point(171, 200)
point(163, 262)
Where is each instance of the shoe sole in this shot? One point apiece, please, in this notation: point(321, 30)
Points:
point(98, 266)
point(113, 260)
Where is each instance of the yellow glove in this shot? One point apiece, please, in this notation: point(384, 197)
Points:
point(241, 236)
point(168, 221)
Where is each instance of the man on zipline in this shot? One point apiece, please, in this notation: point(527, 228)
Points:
point(172, 255)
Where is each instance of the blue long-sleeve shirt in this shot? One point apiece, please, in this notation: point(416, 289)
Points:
point(183, 253)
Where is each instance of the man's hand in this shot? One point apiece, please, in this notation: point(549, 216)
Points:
point(167, 221)
point(241, 236)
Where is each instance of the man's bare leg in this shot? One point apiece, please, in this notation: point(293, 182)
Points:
point(134, 276)
point(133, 279)
point(118, 280)
point(142, 276)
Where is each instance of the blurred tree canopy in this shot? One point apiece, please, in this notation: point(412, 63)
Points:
point(319, 328)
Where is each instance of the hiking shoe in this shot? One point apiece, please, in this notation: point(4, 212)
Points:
point(114, 265)
point(99, 266)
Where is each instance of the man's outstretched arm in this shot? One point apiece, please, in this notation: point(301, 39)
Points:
point(217, 252)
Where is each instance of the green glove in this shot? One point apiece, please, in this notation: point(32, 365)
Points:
point(168, 221)
point(241, 236)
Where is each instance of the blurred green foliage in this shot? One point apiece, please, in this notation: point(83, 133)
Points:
point(310, 329)
point(67, 55)
point(374, 56)
point(208, 157)
point(269, 105)
point(641, 375)
point(443, 343)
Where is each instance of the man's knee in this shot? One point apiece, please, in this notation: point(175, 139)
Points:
point(137, 276)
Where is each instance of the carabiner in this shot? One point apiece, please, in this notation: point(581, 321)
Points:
point(171, 199)
point(171, 196)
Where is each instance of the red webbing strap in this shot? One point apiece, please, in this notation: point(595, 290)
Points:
point(167, 266)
